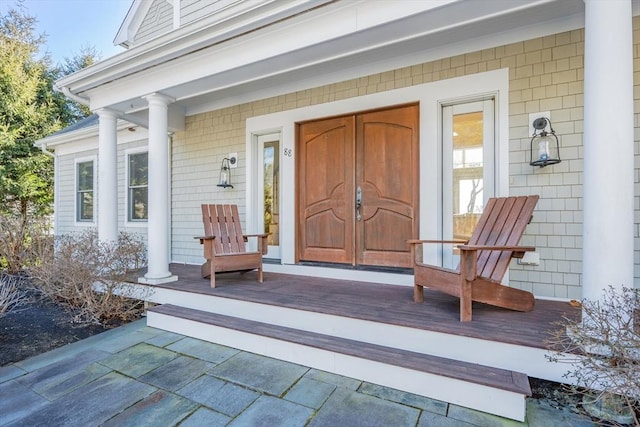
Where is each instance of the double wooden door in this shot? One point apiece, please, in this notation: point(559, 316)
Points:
point(358, 188)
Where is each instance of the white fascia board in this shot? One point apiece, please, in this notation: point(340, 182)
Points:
point(346, 29)
point(183, 41)
point(132, 22)
point(86, 138)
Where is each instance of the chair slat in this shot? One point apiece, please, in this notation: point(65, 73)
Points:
point(502, 223)
point(234, 229)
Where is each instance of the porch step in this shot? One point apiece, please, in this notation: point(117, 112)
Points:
point(475, 386)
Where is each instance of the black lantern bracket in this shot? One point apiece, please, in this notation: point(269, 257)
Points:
point(544, 147)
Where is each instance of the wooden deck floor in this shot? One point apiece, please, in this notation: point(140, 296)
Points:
point(381, 303)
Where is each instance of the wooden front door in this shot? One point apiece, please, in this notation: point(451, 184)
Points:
point(358, 188)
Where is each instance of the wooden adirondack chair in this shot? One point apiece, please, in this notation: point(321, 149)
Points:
point(224, 243)
point(484, 259)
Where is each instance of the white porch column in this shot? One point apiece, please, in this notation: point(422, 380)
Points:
point(608, 147)
point(107, 176)
point(158, 192)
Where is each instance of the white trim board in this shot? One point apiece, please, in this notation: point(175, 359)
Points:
point(430, 96)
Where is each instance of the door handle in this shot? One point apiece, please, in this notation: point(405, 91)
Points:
point(358, 203)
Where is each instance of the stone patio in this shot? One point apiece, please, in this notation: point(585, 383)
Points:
point(136, 376)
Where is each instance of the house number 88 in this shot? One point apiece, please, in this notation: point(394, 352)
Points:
point(288, 152)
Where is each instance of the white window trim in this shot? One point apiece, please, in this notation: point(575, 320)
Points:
point(76, 161)
point(430, 97)
point(127, 222)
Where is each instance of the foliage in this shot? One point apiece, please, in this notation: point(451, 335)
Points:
point(11, 296)
point(604, 348)
point(90, 276)
point(30, 110)
point(20, 241)
point(87, 56)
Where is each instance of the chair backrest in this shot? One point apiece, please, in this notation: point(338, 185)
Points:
point(502, 223)
point(223, 223)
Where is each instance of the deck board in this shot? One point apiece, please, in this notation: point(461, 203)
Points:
point(463, 371)
point(381, 303)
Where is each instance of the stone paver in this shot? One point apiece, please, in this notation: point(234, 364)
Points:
point(221, 396)
point(335, 379)
point(64, 376)
point(10, 372)
point(210, 352)
point(18, 401)
point(141, 376)
point(91, 404)
point(164, 339)
point(160, 408)
point(204, 417)
point(110, 341)
point(474, 417)
point(348, 408)
point(429, 419)
point(270, 411)
point(309, 392)
point(260, 373)
point(409, 399)
point(176, 373)
point(139, 359)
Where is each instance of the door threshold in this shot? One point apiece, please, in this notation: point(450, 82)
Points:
point(374, 268)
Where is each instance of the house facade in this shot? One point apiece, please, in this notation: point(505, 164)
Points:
point(355, 125)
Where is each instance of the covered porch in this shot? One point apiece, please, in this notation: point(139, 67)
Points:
point(370, 330)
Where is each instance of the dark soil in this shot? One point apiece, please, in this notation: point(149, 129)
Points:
point(37, 327)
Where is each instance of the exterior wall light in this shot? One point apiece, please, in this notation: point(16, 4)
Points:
point(545, 144)
point(225, 172)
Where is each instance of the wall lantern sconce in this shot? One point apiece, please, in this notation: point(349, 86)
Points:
point(225, 172)
point(544, 143)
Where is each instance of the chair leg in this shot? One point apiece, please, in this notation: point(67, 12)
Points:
point(213, 274)
point(260, 276)
point(418, 293)
point(466, 301)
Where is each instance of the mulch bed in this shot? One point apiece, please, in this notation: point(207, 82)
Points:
point(38, 327)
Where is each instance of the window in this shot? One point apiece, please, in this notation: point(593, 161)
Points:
point(137, 187)
point(84, 191)
point(468, 147)
point(271, 166)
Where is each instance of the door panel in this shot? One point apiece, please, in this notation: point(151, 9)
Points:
point(386, 169)
point(376, 152)
point(325, 179)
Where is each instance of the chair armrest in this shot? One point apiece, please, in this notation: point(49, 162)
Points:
point(262, 241)
point(203, 238)
point(417, 242)
point(496, 248)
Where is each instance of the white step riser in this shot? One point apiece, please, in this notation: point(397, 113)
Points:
point(528, 360)
point(470, 395)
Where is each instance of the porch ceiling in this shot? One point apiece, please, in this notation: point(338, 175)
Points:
point(266, 62)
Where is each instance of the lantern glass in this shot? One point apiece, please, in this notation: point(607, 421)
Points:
point(543, 148)
point(225, 174)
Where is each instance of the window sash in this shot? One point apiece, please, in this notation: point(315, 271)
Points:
point(84, 192)
point(137, 187)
